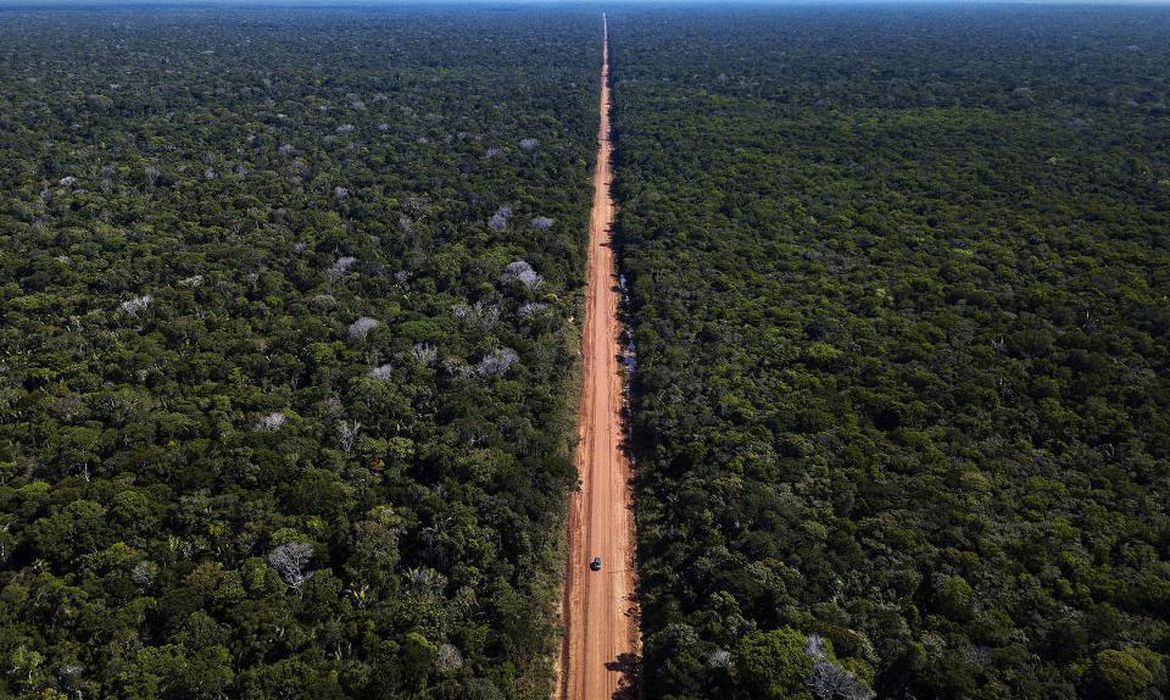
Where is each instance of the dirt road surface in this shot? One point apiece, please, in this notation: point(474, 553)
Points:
point(601, 635)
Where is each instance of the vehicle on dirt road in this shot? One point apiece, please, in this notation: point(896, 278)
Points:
point(595, 564)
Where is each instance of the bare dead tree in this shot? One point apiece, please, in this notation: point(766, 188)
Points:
point(271, 422)
point(498, 362)
point(359, 329)
point(499, 220)
point(137, 304)
point(522, 272)
point(339, 268)
point(425, 353)
point(348, 432)
point(291, 561)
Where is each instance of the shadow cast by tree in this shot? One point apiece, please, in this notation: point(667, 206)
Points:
point(630, 666)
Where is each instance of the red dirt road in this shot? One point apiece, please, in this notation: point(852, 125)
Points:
point(601, 630)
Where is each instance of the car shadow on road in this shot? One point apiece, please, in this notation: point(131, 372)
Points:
point(630, 666)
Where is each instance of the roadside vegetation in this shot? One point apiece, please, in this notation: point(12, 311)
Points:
point(286, 330)
point(898, 287)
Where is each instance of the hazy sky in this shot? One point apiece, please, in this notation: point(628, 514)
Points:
point(577, 3)
point(600, 4)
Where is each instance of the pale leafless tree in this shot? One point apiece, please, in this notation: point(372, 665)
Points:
point(448, 658)
point(425, 353)
point(347, 432)
point(291, 561)
point(359, 329)
point(499, 220)
point(271, 422)
point(143, 575)
point(828, 680)
point(521, 271)
point(137, 304)
point(498, 362)
point(339, 268)
point(479, 315)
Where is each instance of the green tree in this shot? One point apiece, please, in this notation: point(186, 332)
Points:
point(1118, 674)
point(772, 665)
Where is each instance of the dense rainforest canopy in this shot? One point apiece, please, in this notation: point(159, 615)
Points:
point(287, 309)
point(898, 284)
point(289, 306)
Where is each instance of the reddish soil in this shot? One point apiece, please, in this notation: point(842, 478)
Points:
point(601, 635)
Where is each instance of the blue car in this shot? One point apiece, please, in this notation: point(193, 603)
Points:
point(595, 564)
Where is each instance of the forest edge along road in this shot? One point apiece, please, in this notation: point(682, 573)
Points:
point(601, 631)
